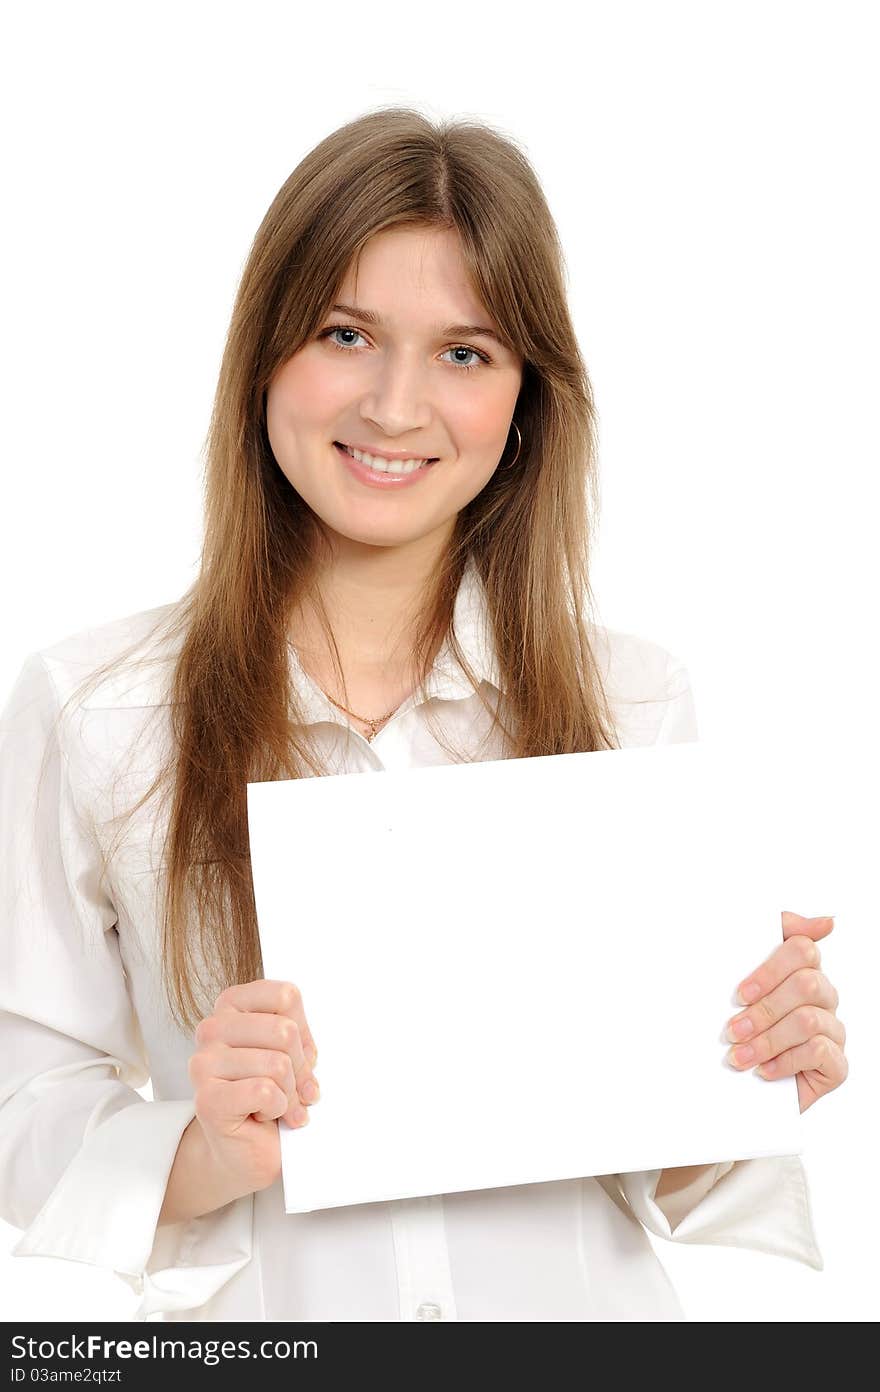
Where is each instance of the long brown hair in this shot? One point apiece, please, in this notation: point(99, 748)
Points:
point(233, 712)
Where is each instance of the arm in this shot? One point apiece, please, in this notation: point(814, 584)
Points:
point(761, 1204)
point(673, 1181)
point(679, 1190)
point(84, 1158)
point(195, 1185)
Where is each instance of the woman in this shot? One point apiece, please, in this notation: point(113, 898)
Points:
point(403, 301)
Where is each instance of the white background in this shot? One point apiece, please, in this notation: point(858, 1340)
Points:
point(712, 171)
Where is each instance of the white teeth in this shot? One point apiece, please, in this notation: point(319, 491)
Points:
point(385, 466)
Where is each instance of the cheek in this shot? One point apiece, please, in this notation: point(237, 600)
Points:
point(482, 419)
point(303, 391)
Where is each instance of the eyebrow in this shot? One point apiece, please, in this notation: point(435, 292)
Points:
point(367, 316)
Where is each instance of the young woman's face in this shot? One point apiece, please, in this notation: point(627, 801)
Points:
point(403, 383)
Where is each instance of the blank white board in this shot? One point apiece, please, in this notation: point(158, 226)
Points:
point(521, 970)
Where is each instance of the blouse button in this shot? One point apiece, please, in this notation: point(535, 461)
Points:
point(427, 1311)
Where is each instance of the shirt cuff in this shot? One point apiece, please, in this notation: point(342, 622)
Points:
point(105, 1208)
point(763, 1204)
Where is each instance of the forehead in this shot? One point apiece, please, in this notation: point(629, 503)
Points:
point(419, 270)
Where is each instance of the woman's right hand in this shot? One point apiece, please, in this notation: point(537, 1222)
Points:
point(253, 1066)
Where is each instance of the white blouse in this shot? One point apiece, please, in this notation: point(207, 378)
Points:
point(85, 1159)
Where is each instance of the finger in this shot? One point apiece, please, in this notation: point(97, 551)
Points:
point(225, 1105)
point(796, 952)
point(257, 1030)
point(806, 986)
point(232, 1064)
point(798, 1027)
point(811, 927)
point(280, 997)
point(264, 1064)
point(820, 1056)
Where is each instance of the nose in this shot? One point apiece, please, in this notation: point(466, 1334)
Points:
point(397, 403)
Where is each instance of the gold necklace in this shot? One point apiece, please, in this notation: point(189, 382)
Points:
point(365, 720)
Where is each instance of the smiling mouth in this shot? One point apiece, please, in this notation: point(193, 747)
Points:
point(395, 468)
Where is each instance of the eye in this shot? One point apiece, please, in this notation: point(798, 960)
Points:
point(340, 329)
point(348, 348)
point(462, 348)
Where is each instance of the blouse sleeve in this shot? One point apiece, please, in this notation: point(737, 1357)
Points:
point(84, 1158)
point(762, 1204)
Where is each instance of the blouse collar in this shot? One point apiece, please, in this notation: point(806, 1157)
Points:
point(447, 680)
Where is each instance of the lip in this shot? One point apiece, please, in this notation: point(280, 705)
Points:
point(382, 453)
point(372, 479)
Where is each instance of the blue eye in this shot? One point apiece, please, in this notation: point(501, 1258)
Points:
point(462, 348)
point(346, 329)
point(328, 332)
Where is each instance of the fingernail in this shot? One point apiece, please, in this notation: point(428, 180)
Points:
point(300, 1116)
point(741, 1029)
point(310, 1091)
point(749, 992)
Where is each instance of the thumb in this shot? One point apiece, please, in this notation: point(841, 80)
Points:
point(814, 928)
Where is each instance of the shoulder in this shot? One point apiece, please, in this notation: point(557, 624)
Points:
point(136, 649)
point(636, 668)
point(648, 688)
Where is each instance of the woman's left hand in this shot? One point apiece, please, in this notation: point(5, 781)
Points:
point(791, 1025)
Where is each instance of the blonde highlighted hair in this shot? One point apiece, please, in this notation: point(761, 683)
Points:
point(233, 711)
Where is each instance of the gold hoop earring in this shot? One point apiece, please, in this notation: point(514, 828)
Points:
point(518, 448)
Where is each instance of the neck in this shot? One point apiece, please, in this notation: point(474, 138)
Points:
point(371, 596)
